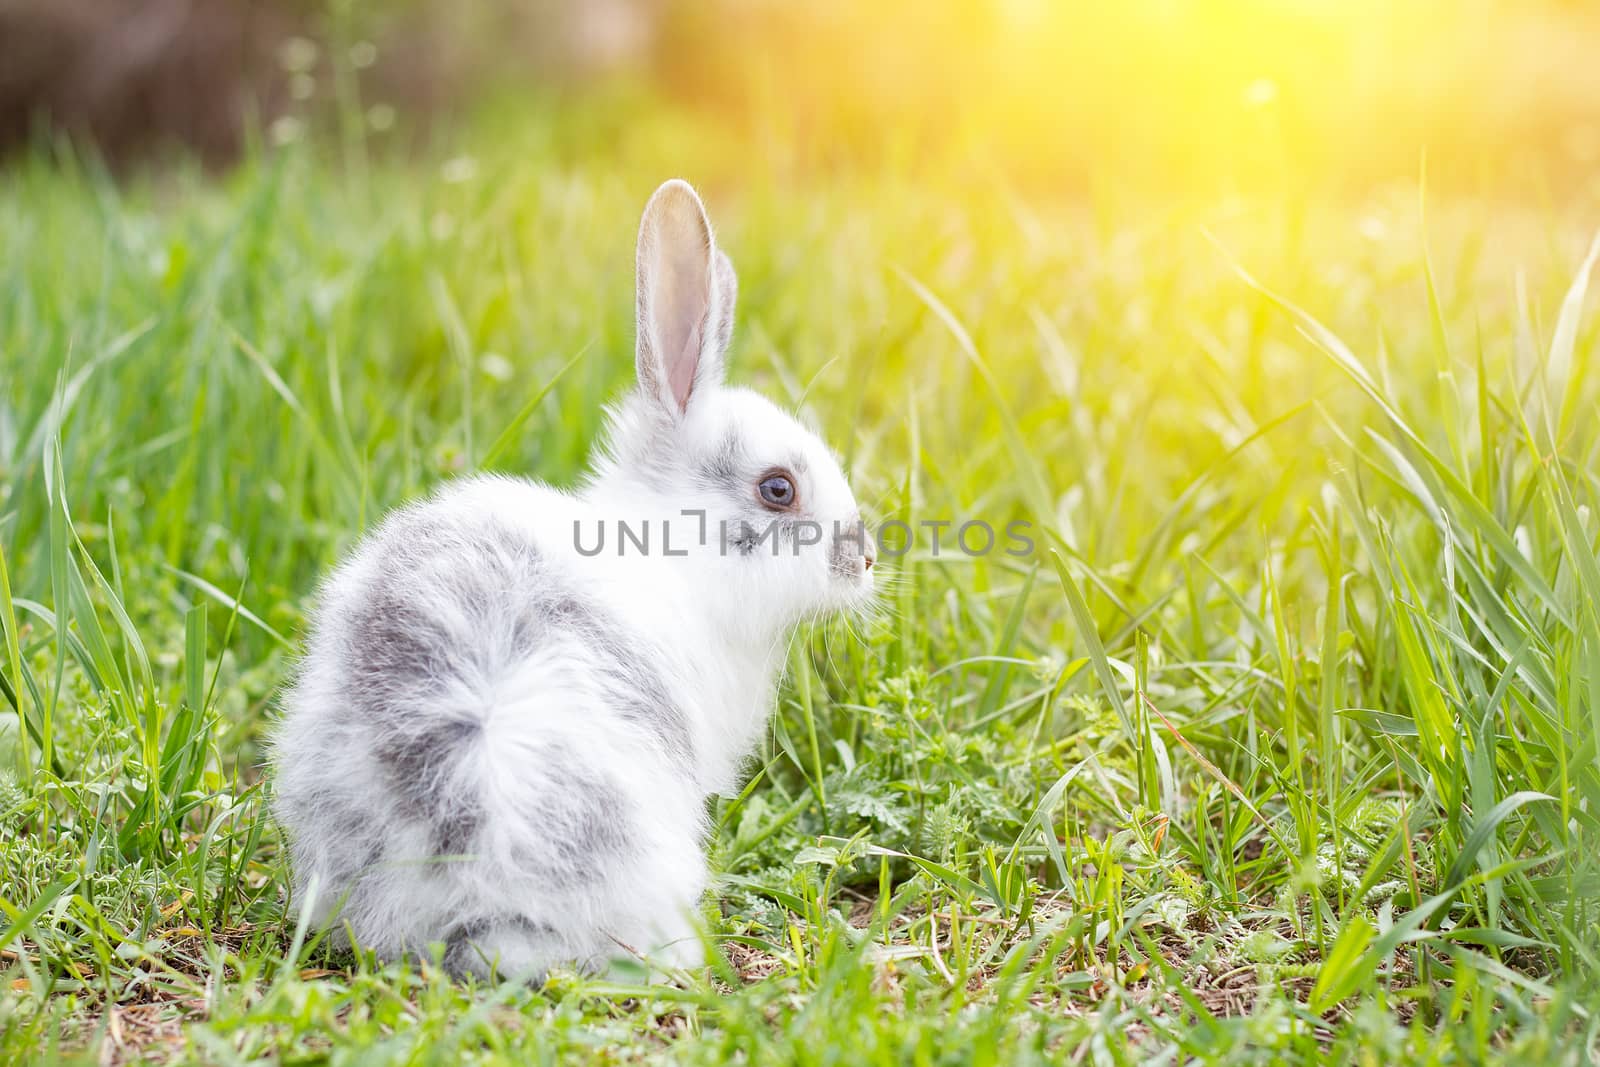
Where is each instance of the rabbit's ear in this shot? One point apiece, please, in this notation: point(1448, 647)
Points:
point(686, 292)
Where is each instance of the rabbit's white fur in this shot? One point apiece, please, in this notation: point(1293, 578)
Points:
point(499, 742)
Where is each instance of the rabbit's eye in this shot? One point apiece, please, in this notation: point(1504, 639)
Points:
point(777, 490)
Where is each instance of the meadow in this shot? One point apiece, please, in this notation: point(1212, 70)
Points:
point(1281, 747)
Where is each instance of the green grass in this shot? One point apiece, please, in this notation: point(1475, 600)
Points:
point(1281, 748)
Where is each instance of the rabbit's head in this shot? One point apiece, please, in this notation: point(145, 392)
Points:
point(748, 491)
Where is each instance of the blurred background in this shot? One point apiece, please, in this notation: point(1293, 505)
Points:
point(1224, 95)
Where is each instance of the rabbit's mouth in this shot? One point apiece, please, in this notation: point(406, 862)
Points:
point(858, 597)
point(853, 554)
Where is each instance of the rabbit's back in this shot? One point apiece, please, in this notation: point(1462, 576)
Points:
point(467, 708)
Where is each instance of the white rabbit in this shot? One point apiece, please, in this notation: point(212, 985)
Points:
point(503, 740)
